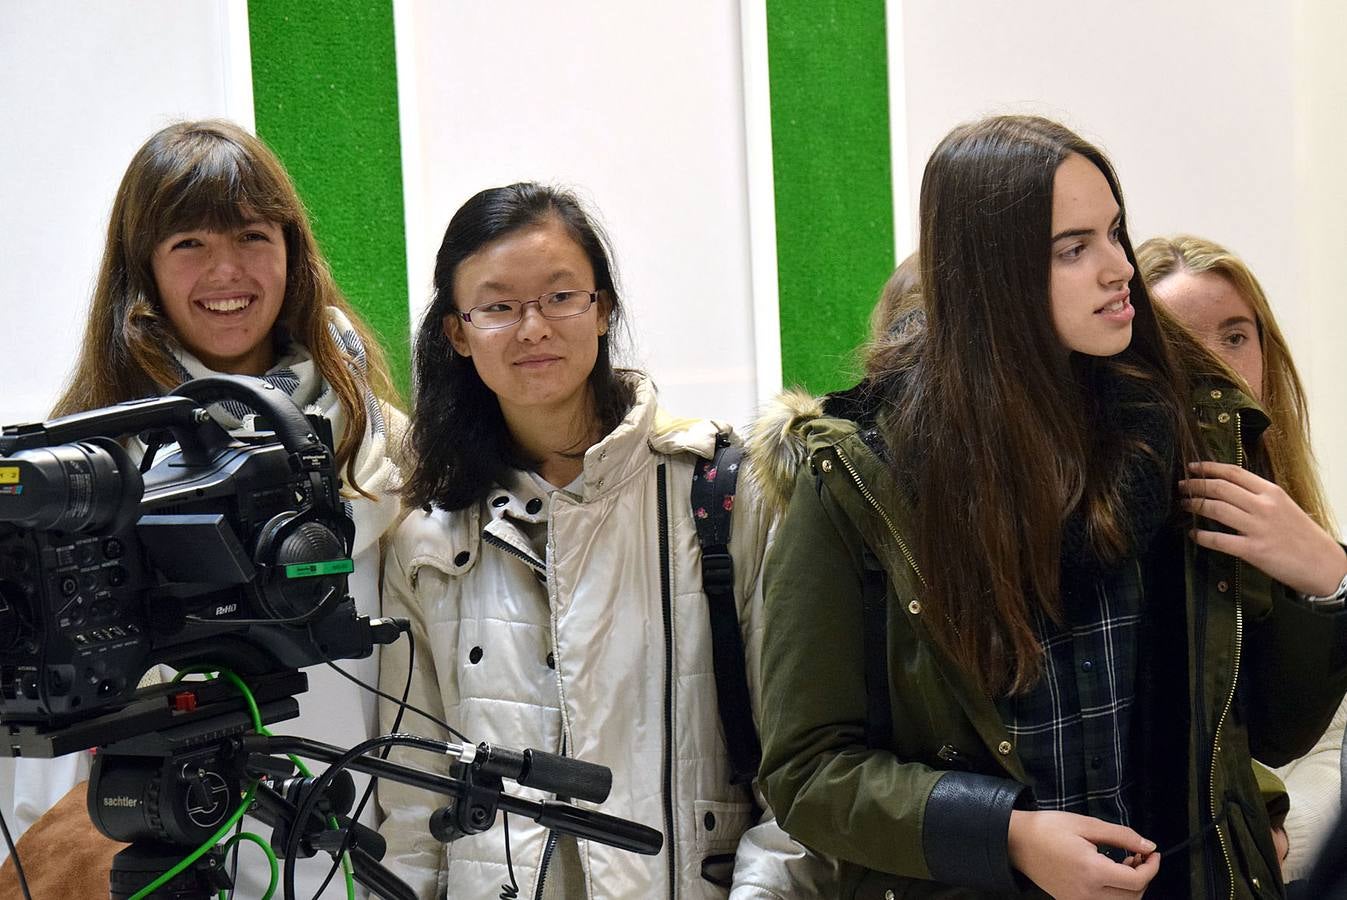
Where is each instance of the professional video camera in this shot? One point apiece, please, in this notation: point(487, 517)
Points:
point(230, 553)
point(105, 572)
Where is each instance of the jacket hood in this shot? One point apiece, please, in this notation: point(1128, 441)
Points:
point(778, 445)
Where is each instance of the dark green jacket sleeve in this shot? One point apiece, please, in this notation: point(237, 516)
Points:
point(1297, 671)
point(829, 789)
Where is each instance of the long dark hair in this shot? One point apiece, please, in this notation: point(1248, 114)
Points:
point(459, 440)
point(209, 174)
point(1000, 434)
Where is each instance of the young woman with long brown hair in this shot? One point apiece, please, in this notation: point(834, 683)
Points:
point(992, 650)
point(210, 266)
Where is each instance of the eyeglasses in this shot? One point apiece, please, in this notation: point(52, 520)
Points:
point(552, 305)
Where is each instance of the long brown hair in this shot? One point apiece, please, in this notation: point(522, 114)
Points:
point(208, 174)
point(1000, 434)
point(1287, 439)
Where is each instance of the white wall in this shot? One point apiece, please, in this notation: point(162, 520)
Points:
point(1196, 115)
point(639, 108)
point(82, 84)
point(1321, 230)
point(1222, 118)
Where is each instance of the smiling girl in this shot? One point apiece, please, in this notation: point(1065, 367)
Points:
point(995, 661)
point(210, 266)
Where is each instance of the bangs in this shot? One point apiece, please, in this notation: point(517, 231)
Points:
point(218, 188)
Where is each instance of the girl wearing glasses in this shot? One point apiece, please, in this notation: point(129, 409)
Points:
point(998, 656)
point(553, 577)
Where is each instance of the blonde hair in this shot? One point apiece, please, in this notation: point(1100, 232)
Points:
point(1287, 440)
point(209, 174)
point(901, 294)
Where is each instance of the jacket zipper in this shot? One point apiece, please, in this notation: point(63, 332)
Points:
point(883, 514)
point(666, 601)
point(546, 861)
point(538, 566)
point(511, 549)
point(1234, 680)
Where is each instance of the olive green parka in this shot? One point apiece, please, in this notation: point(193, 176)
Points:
point(1252, 673)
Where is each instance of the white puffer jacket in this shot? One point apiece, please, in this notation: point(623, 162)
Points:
point(628, 660)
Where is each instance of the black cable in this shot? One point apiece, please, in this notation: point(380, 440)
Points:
point(234, 860)
point(330, 599)
point(306, 806)
point(458, 735)
point(14, 855)
point(369, 788)
point(508, 891)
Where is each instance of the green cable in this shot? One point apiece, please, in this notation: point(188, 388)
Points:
point(243, 689)
point(196, 854)
point(271, 858)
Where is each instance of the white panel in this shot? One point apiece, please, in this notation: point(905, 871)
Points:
point(416, 220)
point(761, 197)
point(237, 63)
point(639, 108)
point(84, 84)
point(904, 203)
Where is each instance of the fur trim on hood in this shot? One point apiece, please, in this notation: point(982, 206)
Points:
point(776, 445)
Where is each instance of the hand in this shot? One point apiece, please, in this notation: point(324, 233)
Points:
point(1271, 531)
point(1059, 852)
point(1282, 841)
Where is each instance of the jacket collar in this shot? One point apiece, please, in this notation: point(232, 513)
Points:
point(625, 451)
point(451, 542)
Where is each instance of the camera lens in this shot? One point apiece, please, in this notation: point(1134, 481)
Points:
point(86, 486)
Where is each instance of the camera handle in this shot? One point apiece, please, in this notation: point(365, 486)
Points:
point(199, 436)
point(290, 425)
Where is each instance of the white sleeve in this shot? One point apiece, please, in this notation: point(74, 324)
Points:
point(39, 783)
point(1313, 783)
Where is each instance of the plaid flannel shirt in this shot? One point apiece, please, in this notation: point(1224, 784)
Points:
point(1072, 728)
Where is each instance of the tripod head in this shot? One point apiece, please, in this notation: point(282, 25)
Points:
point(170, 787)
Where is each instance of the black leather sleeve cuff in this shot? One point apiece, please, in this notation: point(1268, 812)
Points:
point(966, 829)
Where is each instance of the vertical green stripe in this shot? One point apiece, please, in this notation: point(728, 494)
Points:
point(834, 195)
point(326, 95)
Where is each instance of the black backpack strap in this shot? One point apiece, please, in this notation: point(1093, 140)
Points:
point(875, 609)
point(713, 488)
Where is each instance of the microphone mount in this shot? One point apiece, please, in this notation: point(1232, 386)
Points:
point(483, 787)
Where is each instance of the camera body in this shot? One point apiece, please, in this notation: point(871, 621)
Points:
point(230, 551)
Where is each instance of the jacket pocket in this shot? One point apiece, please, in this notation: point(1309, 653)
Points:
point(717, 828)
point(718, 825)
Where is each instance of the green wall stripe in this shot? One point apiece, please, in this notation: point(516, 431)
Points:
point(326, 96)
point(828, 68)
